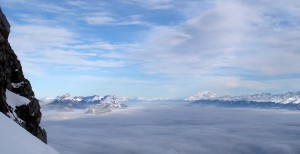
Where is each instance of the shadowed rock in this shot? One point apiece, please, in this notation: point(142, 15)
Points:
point(12, 78)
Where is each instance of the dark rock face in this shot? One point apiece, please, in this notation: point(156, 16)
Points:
point(28, 116)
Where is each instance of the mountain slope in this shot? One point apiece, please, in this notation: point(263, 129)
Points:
point(16, 140)
point(13, 83)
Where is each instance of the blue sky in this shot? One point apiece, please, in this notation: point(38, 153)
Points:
point(158, 48)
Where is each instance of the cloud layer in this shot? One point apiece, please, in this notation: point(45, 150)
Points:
point(176, 128)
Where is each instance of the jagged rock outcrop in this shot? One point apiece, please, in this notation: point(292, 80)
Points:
point(12, 79)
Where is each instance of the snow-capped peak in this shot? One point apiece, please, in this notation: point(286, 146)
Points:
point(67, 97)
point(205, 95)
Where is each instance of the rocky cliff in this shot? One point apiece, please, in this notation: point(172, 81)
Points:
point(13, 80)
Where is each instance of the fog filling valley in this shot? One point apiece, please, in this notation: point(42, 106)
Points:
point(170, 128)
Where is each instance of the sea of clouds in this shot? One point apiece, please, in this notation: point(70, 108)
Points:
point(175, 128)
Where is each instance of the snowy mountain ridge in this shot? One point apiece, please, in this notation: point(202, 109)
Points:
point(68, 97)
point(93, 98)
point(286, 98)
point(94, 104)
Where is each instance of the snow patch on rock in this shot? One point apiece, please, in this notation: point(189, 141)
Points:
point(14, 100)
point(17, 85)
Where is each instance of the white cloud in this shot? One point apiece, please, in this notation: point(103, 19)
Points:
point(105, 18)
point(32, 69)
point(49, 7)
point(228, 85)
point(153, 4)
point(96, 45)
point(77, 3)
point(99, 19)
point(116, 80)
point(202, 42)
point(149, 128)
point(234, 82)
point(36, 20)
point(227, 34)
point(49, 46)
point(35, 38)
point(88, 5)
point(73, 58)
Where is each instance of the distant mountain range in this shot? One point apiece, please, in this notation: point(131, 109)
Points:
point(286, 98)
point(94, 104)
point(289, 100)
point(67, 100)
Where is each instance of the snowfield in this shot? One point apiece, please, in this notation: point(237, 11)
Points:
point(16, 140)
point(175, 128)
